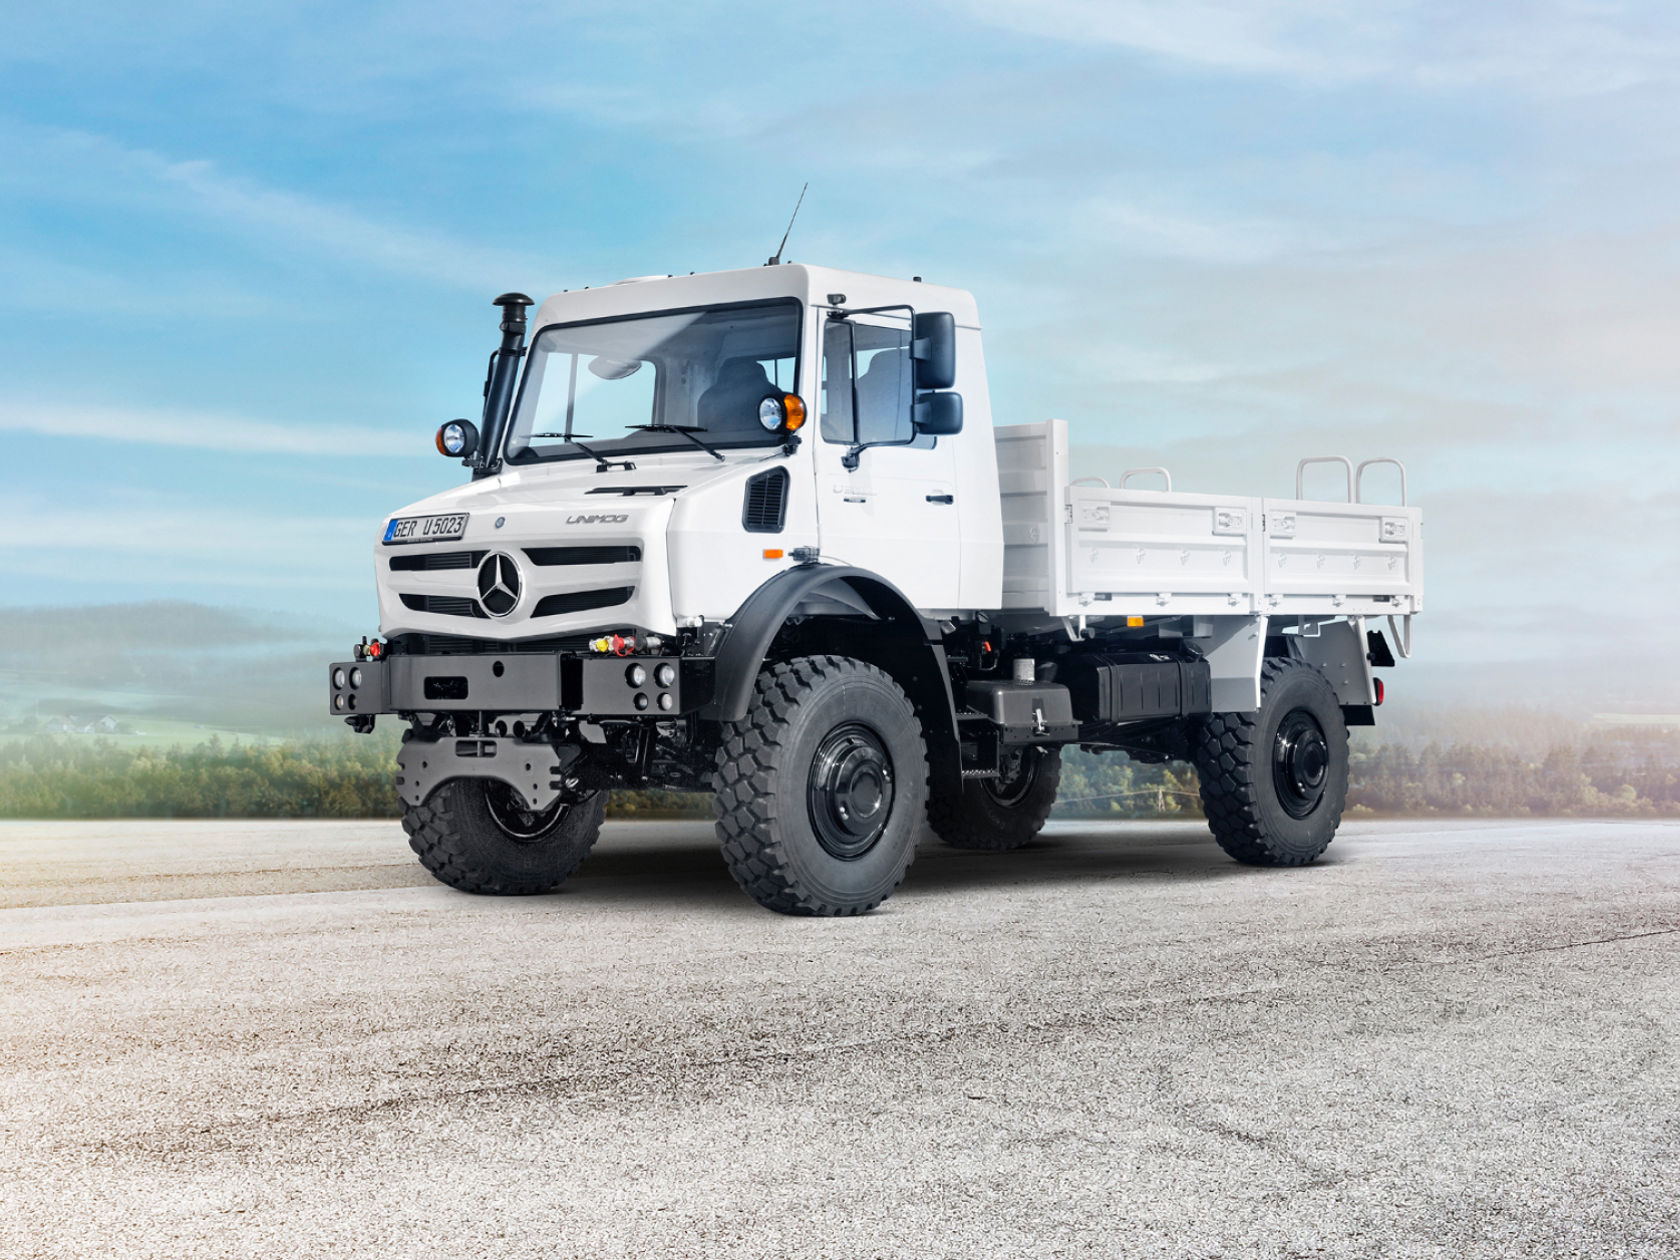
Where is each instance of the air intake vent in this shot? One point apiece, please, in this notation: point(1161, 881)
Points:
point(437, 560)
point(765, 509)
point(583, 555)
point(581, 601)
point(445, 605)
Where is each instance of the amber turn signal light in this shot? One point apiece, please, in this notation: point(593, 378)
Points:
point(793, 409)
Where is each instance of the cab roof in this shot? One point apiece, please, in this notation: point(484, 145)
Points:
point(814, 286)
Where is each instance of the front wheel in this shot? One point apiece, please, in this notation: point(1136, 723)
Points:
point(1002, 813)
point(821, 787)
point(1274, 781)
point(477, 835)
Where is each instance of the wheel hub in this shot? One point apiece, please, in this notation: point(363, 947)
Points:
point(507, 810)
point(1017, 771)
point(1300, 763)
point(850, 791)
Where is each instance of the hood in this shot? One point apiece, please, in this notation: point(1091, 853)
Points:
point(552, 550)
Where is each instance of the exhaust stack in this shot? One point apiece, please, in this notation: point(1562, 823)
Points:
point(499, 383)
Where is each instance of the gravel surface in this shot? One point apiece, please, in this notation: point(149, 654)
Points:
point(276, 1039)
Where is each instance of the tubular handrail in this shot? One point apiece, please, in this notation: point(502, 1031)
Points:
point(1141, 472)
point(1301, 471)
point(1090, 481)
point(1359, 478)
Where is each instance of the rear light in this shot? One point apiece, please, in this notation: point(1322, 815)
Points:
point(1379, 686)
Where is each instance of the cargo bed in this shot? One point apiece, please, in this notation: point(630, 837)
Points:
point(1085, 548)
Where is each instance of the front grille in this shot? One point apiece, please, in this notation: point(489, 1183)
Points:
point(428, 561)
point(583, 555)
point(765, 508)
point(581, 601)
point(445, 605)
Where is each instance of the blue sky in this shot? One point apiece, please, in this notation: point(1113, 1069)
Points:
point(246, 255)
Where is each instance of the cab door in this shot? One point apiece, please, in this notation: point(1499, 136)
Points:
point(886, 497)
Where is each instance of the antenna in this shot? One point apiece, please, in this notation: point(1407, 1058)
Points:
point(776, 258)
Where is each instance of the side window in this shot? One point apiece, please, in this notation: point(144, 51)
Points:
point(882, 388)
point(835, 404)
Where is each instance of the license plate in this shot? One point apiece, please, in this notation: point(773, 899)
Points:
point(421, 529)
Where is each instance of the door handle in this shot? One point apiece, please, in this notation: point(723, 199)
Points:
point(942, 498)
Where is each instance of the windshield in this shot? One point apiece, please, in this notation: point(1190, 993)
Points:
point(623, 385)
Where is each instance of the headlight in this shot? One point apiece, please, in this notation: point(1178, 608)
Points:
point(338, 701)
point(665, 675)
point(355, 678)
point(338, 679)
point(641, 700)
point(665, 701)
point(635, 675)
point(770, 414)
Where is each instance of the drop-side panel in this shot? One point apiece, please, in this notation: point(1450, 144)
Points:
point(1140, 552)
point(1336, 559)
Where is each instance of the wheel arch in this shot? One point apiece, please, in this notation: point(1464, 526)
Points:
point(833, 599)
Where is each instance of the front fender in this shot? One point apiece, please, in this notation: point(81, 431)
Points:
point(818, 588)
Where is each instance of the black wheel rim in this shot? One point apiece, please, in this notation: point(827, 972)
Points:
point(850, 791)
point(1300, 763)
point(1017, 770)
point(507, 811)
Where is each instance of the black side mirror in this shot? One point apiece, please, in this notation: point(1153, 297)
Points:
point(934, 350)
point(939, 415)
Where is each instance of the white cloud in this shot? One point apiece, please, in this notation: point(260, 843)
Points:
point(201, 430)
point(1562, 48)
point(64, 164)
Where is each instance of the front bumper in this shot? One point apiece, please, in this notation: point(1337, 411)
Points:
point(588, 686)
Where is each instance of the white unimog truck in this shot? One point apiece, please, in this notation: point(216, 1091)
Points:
point(755, 533)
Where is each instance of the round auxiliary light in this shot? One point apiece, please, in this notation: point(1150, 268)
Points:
point(641, 700)
point(338, 678)
point(666, 702)
point(458, 438)
point(356, 678)
point(338, 702)
point(785, 411)
point(635, 675)
point(665, 675)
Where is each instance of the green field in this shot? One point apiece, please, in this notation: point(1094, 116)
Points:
point(147, 732)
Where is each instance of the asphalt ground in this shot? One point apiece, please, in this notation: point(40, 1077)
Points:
point(267, 1039)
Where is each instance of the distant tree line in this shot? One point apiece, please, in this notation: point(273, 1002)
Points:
point(1630, 773)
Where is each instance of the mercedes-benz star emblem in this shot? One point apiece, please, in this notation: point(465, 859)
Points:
point(498, 584)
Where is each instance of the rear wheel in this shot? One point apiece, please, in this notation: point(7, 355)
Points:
point(821, 787)
point(477, 835)
point(1002, 813)
point(1274, 782)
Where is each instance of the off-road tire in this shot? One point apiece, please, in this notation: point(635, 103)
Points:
point(459, 840)
point(979, 817)
point(1234, 754)
point(769, 762)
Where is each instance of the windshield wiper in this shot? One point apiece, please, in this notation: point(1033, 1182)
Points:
point(602, 463)
point(687, 430)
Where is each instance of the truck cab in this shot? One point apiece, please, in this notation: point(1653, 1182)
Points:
point(755, 532)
